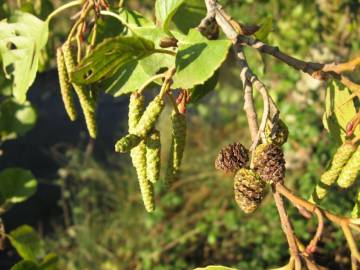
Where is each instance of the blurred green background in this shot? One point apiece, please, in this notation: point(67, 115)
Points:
point(102, 224)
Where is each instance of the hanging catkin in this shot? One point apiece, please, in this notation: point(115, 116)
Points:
point(65, 86)
point(138, 153)
point(329, 177)
point(178, 140)
point(350, 171)
point(149, 117)
point(153, 151)
point(356, 210)
point(86, 103)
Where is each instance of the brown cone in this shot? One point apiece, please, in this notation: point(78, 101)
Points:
point(269, 163)
point(232, 158)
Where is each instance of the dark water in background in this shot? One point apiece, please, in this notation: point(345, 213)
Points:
point(33, 151)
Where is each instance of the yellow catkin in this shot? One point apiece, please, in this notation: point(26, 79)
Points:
point(153, 152)
point(86, 102)
point(350, 171)
point(65, 86)
point(138, 153)
point(138, 156)
point(328, 178)
point(356, 210)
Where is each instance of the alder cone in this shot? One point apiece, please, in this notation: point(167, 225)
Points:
point(232, 158)
point(248, 190)
point(269, 163)
point(278, 134)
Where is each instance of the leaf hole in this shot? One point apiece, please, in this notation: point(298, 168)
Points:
point(11, 46)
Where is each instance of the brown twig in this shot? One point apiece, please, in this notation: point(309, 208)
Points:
point(287, 228)
point(320, 228)
point(342, 67)
point(317, 70)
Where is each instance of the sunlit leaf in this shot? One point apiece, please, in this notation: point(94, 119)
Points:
point(109, 56)
point(197, 59)
point(26, 265)
point(339, 110)
point(50, 262)
point(16, 185)
point(165, 10)
point(202, 90)
point(22, 37)
point(27, 242)
point(266, 26)
point(15, 119)
point(189, 15)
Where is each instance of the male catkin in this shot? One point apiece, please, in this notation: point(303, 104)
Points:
point(153, 152)
point(86, 103)
point(138, 156)
point(149, 117)
point(126, 143)
point(329, 177)
point(350, 171)
point(356, 210)
point(138, 153)
point(65, 86)
point(178, 141)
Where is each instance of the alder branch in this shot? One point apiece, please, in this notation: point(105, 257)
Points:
point(316, 70)
point(342, 67)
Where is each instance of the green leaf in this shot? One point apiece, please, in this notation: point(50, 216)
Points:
point(165, 10)
point(197, 59)
point(339, 110)
point(106, 27)
point(26, 265)
point(16, 185)
point(189, 15)
point(202, 90)
point(15, 119)
point(215, 267)
point(132, 18)
point(50, 262)
point(126, 80)
point(27, 242)
point(22, 37)
point(266, 27)
point(109, 56)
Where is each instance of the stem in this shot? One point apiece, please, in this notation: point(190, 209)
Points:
point(62, 8)
point(173, 102)
point(287, 228)
point(150, 80)
point(113, 14)
point(165, 51)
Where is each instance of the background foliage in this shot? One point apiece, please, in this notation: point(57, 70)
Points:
point(103, 224)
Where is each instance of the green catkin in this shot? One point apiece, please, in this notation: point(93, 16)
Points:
point(138, 153)
point(149, 117)
point(350, 171)
point(328, 178)
point(153, 151)
point(356, 210)
point(65, 86)
point(177, 146)
point(138, 156)
point(125, 144)
point(86, 102)
point(136, 109)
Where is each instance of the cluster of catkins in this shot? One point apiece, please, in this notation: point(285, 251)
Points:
point(343, 170)
point(143, 142)
point(268, 166)
point(87, 98)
